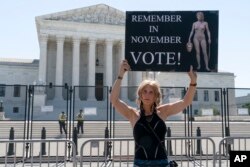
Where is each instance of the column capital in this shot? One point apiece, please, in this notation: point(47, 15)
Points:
point(44, 37)
point(76, 38)
point(60, 38)
point(92, 40)
point(122, 42)
point(109, 41)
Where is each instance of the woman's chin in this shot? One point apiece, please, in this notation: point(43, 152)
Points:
point(147, 102)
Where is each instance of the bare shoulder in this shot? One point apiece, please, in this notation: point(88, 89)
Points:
point(162, 111)
point(135, 112)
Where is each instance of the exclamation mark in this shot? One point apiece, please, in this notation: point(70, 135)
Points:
point(179, 58)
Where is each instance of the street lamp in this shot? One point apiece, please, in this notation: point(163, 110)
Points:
point(97, 62)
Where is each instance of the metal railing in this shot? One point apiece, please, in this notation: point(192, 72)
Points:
point(30, 103)
point(187, 151)
point(37, 152)
point(231, 144)
point(119, 152)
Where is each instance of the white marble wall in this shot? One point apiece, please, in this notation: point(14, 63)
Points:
point(16, 73)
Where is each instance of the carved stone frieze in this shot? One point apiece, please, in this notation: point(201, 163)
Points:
point(102, 14)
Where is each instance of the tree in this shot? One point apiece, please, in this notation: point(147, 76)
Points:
point(247, 105)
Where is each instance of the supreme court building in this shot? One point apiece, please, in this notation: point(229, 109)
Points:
point(84, 47)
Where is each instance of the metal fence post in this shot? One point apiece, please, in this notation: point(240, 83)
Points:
point(228, 143)
point(199, 147)
point(169, 143)
point(75, 138)
point(43, 136)
point(11, 145)
point(107, 148)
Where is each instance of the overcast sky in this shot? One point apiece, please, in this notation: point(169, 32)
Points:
point(18, 36)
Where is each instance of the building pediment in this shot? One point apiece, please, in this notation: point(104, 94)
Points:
point(101, 13)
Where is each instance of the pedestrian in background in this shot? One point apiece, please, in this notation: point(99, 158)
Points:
point(62, 122)
point(80, 120)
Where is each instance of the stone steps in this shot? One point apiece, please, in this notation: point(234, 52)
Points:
point(96, 129)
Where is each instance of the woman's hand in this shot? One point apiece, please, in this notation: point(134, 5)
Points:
point(209, 41)
point(124, 66)
point(192, 75)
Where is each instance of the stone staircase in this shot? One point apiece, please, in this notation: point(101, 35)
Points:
point(92, 129)
point(208, 129)
point(96, 129)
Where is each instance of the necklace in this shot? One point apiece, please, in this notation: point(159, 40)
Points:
point(149, 117)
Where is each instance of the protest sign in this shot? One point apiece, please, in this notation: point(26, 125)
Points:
point(172, 40)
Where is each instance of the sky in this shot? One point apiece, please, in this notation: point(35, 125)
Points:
point(18, 34)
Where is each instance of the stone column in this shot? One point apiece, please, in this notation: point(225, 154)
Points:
point(43, 57)
point(91, 69)
point(109, 62)
point(124, 91)
point(59, 65)
point(137, 78)
point(76, 65)
point(40, 99)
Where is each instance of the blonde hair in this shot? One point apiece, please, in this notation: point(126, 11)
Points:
point(156, 88)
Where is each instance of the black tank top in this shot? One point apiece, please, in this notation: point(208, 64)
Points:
point(147, 146)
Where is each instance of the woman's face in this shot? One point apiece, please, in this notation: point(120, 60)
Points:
point(148, 95)
point(200, 16)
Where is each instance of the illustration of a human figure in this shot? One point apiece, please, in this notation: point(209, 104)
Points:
point(199, 39)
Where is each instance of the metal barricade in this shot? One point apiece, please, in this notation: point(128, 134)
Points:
point(38, 152)
point(119, 152)
point(231, 144)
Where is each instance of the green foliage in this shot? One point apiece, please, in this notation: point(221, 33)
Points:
point(247, 105)
point(216, 111)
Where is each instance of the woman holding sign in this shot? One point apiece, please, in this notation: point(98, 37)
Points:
point(148, 121)
point(198, 29)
